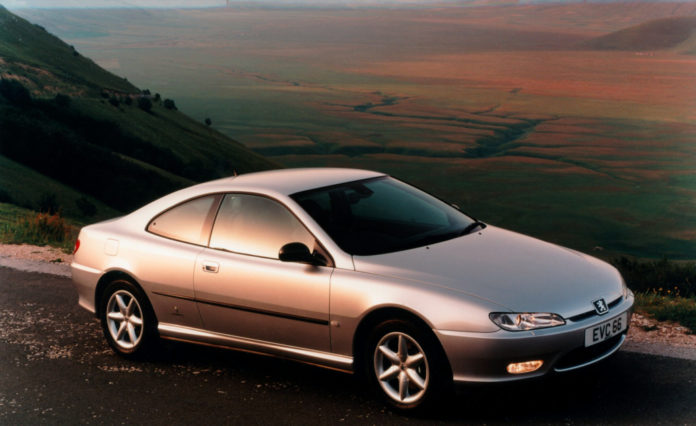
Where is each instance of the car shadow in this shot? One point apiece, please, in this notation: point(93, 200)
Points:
point(627, 388)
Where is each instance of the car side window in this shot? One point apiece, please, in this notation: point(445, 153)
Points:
point(258, 226)
point(184, 222)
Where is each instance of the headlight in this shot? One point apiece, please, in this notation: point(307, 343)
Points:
point(526, 320)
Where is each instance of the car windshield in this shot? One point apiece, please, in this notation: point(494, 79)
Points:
point(381, 215)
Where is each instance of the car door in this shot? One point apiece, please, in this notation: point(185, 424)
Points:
point(243, 289)
point(166, 260)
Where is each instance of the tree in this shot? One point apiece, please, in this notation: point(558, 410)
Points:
point(128, 100)
point(5, 197)
point(145, 104)
point(169, 104)
point(62, 100)
point(48, 203)
point(208, 122)
point(113, 101)
point(158, 97)
point(15, 92)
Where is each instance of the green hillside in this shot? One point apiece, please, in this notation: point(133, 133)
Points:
point(71, 129)
point(41, 59)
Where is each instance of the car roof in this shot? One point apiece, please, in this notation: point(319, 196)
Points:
point(290, 181)
point(275, 183)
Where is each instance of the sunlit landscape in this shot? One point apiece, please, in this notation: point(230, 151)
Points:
point(538, 118)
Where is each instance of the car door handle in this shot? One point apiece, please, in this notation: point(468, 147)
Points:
point(211, 267)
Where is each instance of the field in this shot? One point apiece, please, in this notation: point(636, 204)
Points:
point(505, 111)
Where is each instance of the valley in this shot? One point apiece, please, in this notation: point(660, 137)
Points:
point(546, 119)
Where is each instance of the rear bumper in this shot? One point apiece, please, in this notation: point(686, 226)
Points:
point(484, 357)
point(85, 280)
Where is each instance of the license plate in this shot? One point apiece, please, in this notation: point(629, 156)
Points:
point(606, 330)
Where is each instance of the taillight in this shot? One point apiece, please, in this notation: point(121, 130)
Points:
point(77, 246)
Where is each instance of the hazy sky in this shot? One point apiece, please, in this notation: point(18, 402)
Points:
point(18, 4)
point(13, 4)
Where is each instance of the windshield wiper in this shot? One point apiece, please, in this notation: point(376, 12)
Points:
point(470, 227)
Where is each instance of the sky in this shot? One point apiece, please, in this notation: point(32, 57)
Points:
point(17, 4)
point(21, 4)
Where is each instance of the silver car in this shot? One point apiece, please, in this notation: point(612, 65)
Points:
point(352, 270)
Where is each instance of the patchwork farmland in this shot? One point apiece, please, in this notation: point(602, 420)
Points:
point(553, 120)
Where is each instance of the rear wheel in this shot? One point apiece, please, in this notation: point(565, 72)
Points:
point(127, 319)
point(406, 365)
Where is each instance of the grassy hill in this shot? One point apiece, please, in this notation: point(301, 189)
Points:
point(658, 34)
point(40, 60)
point(89, 142)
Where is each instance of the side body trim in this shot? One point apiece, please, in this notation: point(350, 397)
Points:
point(247, 309)
point(326, 359)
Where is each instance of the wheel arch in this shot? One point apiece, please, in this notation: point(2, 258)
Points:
point(379, 315)
point(107, 278)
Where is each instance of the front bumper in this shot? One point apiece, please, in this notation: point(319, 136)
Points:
point(483, 357)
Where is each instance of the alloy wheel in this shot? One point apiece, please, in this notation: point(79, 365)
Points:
point(401, 368)
point(124, 318)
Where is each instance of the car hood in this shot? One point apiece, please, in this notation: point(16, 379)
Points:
point(510, 269)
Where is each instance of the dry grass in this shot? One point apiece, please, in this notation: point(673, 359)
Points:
point(669, 307)
point(40, 229)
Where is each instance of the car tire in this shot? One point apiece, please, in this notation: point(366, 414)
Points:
point(406, 366)
point(127, 319)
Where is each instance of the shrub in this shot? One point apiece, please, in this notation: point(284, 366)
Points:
point(169, 104)
point(39, 229)
point(48, 203)
point(663, 277)
point(208, 122)
point(62, 100)
point(15, 92)
point(114, 101)
point(145, 104)
point(5, 197)
point(128, 101)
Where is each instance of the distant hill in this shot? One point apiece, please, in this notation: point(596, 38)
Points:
point(677, 33)
point(89, 142)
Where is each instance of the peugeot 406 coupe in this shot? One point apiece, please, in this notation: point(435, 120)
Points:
point(353, 270)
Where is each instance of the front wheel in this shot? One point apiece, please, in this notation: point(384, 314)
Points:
point(126, 319)
point(407, 366)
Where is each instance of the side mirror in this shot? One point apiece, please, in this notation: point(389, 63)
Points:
point(296, 252)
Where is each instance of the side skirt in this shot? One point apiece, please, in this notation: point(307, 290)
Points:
point(195, 335)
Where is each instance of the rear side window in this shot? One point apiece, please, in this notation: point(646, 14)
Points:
point(185, 222)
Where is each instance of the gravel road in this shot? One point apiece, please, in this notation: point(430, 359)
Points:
point(56, 368)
